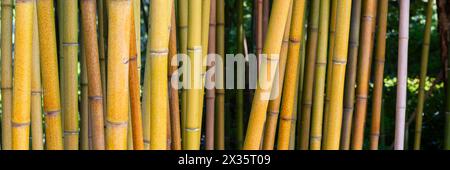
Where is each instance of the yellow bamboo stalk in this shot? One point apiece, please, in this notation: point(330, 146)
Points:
point(137, 27)
point(118, 57)
point(290, 85)
point(183, 36)
point(159, 42)
point(331, 43)
point(319, 77)
point(274, 105)
point(206, 10)
point(219, 133)
point(6, 44)
point(36, 90)
point(22, 75)
point(49, 73)
point(91, 46)
point(70, 90)
point(334, 123)
point(194, 93)
point(272, 48)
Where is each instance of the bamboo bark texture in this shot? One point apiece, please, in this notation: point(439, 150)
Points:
point(219, 124)
point(49, 72)
point(37, 142)
point(210, 93)
point(117, 76)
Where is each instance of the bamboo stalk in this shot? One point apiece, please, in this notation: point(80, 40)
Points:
point(265, 20)
point(363, 75)
point(300, 83)
point(70, 90)
point(6, 44)
point(402, 75)
point(274, 105)
point(159, 18)
point(319, 77)
point(88, 9)
point(37, 142)
point(288, 105)
point(379, 70)
point(49, 73)
point(423, 75)
point(350, 74)
point(311, 52)
point(20, 118)
point(192, 130)
point(331, 44)
point(134, 85)
point(239, 119)
point(333, 130)
point(183, 36)
point(210, 93)
point(219, 124)
point(259, 28)
point(60, 21)
point(102, 45)
point(84, 99)
point(272, 49)
point(206, 9)
point(118, 57)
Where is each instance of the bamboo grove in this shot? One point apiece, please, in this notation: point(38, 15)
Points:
point(155, 74)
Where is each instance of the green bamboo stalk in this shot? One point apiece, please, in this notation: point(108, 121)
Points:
point(240, 92)
point(6, 44)
point(423, 74)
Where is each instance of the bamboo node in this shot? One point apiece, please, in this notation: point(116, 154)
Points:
point(192, 129)
point(337, 61)
point(289, 119)
point(95, 97)
point(321, 63)
point(71, 132)
point(159, 53)
point(195, 49)
point(6, 88)
point(361, 97)
point(52, 113)
point(116, 124)
point(273, 113)
point(16, 124)
point(65, 44)
point(36, 92)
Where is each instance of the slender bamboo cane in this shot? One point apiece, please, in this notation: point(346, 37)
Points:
point(350, 74)
point(259, 28)
point(333, 132)
point(146, 98)
point(331, 44)
point(274, 105)
point(183, 36)
point(300, 82)
point(272, 49)
point(289, 87)
point(319, 77)
point(60, 21)
point(173, 87)
point(239, 120)
point(402, 75)
point(137, 27)
point(84, 99)
point(6, 44)
point(118, 57)
point(219, 124)
point(136, 120)
point(210, 93)
point(70, 53)
point(423, 74)
point(362, 87)
point(20, 119)
point(102, 45)
point(159, 18)
point(88, 11)
point(206, 9)
point(311, 52)
point(379, 69)
point(49, 73)
point(265, 20)
point(192, 130)
point(37, 142)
